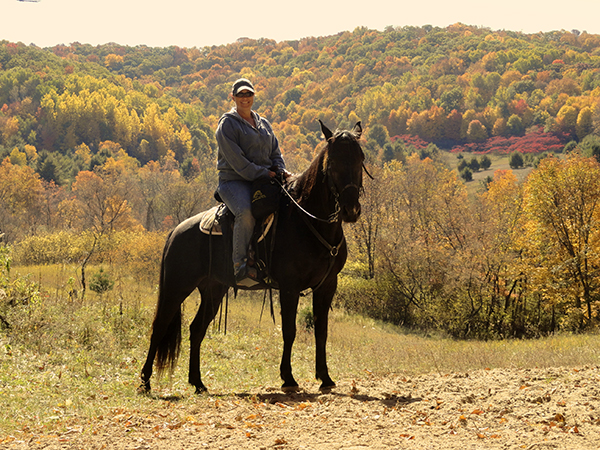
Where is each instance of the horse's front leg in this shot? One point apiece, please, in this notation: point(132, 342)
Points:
point(289, 307)
point(322, 299)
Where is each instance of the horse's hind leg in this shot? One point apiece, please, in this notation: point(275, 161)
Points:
point(166, 325)
point(212, 296)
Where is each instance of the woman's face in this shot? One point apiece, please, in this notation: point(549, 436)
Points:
point(244, 100)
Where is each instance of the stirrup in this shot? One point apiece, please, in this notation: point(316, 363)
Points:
point(246, 276)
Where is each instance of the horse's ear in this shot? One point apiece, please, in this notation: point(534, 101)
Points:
point(357, 130)
point(326, 131)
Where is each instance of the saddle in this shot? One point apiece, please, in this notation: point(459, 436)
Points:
point(213, 222)
point(218, 221)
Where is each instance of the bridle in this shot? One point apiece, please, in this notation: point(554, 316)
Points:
point(333, 217)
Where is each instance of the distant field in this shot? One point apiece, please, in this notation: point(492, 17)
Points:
point(499, 162)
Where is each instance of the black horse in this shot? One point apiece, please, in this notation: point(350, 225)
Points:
point(309, 250)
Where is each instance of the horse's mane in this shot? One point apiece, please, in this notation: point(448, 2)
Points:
point(307, 180)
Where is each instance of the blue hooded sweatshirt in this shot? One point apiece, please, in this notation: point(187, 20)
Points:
point(246, 152)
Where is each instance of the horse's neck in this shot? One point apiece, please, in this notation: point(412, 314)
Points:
point(316, 197)
point(313, 193)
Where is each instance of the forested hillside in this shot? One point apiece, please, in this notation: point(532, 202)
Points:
point(447, 86)
point(115, 139)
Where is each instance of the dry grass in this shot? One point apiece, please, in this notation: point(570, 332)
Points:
point(66, 362)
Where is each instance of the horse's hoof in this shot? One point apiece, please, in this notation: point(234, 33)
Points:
point(327, 388)
point(290, 389)
point(144, 388)
point(201, 390)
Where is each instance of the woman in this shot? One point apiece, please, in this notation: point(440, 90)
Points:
point(248, 150)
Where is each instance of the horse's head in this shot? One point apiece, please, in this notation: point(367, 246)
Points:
point(343, 168)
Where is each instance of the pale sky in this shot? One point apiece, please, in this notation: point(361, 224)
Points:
point(199, 23)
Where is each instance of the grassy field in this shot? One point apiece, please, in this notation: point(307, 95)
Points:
point(499, 162)
point(65, 362)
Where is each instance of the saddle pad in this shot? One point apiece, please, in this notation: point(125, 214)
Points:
point(210, 225)
point(208, 222)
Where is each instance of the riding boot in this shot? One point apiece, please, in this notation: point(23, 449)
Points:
point(245, 275)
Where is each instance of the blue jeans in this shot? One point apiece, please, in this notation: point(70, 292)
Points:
point(237, 195)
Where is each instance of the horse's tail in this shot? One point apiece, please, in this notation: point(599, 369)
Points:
point(169, 346)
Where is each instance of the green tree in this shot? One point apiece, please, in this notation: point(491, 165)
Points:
point(379, 134)
point(515, 160)
point(485, 162)
point(474, 164)
point(466, 174)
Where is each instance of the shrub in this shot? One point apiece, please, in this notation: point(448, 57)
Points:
point(306, 318)
point(474, 165)
point(101, 282)
point(466, 174)
point(485, 162)
point(515, 160)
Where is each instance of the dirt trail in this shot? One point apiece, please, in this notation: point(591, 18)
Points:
point(556, 408)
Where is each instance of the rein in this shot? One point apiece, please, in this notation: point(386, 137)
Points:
point(333, 216)
point(333, 249)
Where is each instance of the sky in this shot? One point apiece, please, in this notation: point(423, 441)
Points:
point(193, 23)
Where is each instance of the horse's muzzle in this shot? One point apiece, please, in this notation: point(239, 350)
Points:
point(349, 203)
point(350, 213)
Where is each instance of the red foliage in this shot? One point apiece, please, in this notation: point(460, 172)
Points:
point(537, 142)
point(409, 139)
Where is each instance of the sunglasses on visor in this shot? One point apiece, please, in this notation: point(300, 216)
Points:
point(244, 94)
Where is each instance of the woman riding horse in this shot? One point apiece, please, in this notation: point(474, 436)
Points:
point(309, 250)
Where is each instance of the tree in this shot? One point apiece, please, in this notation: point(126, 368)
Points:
point(515, 160)
point(584, 124)
point(379, 134)
point(101, 204)
point(366, 230)
point(474, 164)
point(499, 212)
point(466, 174)
point(422, 232)
point(563, 207)
point(476, 132)
point(485, 162)
point(514, 125)
point(20, 194)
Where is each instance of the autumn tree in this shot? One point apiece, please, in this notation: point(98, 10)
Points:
point(100, 203)
point(20, 192)
point(424, 209)
point(562, 204)
point(365, 233)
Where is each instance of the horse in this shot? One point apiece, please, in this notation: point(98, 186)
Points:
point(308, 252)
